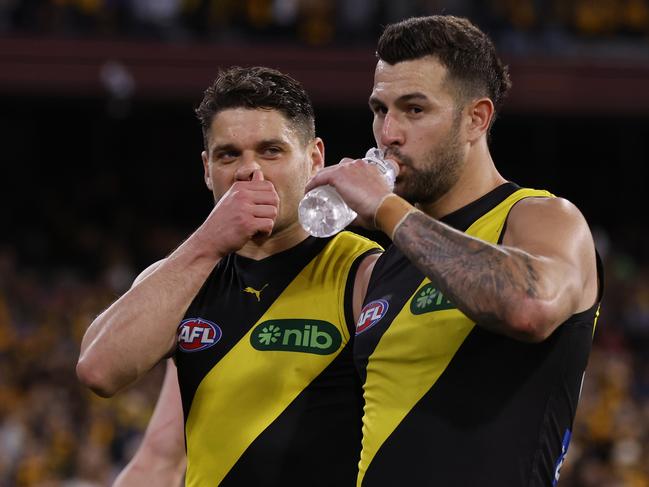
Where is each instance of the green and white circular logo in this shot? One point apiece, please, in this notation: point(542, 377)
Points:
point(296, 335)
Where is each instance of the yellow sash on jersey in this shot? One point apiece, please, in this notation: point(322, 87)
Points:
point(248, 388)
point(416, 349)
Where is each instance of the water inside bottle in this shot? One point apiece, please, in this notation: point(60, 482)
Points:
point(323, 213)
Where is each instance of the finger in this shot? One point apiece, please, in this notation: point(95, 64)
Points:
point(320, 179)
point(265, 197)
point(264, 226)
point(253, 186)
point(265, 211)
point(257, 175)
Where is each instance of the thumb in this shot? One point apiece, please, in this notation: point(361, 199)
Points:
point(257, 175)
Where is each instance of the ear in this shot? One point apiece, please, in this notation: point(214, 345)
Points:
point(481, 113)
point(206, 170)
point(317, 154)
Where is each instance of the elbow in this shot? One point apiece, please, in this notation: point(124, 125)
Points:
point(532, 322)
point(90, 375)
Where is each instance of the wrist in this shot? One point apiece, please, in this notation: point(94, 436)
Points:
point(391, 212)
point(204, 245)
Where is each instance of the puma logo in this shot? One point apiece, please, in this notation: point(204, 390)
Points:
point(255, 292)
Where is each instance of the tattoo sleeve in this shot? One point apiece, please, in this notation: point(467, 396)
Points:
point(485, 281)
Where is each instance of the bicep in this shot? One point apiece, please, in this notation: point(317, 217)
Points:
point(93, 329)
point(556, 236)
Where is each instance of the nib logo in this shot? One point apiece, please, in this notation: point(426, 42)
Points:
point(296, 335)
point(269, 334)
point(429, 299)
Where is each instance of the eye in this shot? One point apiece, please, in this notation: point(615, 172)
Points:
point(272, 151)
point(226, 157)
point(415, 109)
point(379, 110)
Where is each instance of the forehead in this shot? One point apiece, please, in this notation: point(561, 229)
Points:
point(243, 126)
point(424, 75)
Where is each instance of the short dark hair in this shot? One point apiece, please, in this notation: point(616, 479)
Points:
point(258, 87)
point(467, 53)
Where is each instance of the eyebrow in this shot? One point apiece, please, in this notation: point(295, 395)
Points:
point(267, 142)
point(402, 99)
point(412, 96)
point(260, 145)
point(224, 147)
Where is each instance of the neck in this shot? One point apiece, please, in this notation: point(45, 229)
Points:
point(261, 247)
point(479, 176)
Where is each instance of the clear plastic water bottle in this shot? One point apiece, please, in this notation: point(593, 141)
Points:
point(323, 212)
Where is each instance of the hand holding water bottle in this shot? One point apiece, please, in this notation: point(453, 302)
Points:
point(339, 194)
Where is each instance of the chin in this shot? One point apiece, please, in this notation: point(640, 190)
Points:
point(260, 238)
point(282, 225)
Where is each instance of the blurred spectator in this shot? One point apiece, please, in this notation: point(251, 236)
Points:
point(51, 429)
point(557, 25)
point(53, 432)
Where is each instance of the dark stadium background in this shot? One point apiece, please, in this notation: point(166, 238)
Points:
point(101, 175)
point(68, 157)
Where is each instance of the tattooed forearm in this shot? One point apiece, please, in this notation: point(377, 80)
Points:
point(486, 282)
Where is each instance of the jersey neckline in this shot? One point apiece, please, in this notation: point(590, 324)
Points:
point(462, 218)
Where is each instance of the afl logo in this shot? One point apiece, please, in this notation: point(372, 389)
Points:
point(197, 334)
point(371, 313)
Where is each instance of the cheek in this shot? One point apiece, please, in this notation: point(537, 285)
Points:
point(429, 137)
point(293, 192)
point(295, 187)
point(377, 127)
point(221, 181)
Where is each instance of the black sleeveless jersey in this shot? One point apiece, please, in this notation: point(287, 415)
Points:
point(448, 403)
point(270, 394)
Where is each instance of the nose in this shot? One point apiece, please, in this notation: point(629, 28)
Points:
point(248, 165)
point(392, 133)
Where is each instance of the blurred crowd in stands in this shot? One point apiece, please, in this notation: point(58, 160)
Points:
point(54, 433)
point(518, 24)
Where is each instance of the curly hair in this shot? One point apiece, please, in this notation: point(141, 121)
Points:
point(258, 88)
point(474, 68)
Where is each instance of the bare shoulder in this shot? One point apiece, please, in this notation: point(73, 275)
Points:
point(148, 271)
point(554, 219)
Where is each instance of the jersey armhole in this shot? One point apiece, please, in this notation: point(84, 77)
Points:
point(348, 303)
point(504, 229)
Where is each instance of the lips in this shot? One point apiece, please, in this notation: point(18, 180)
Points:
point(393, 157)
